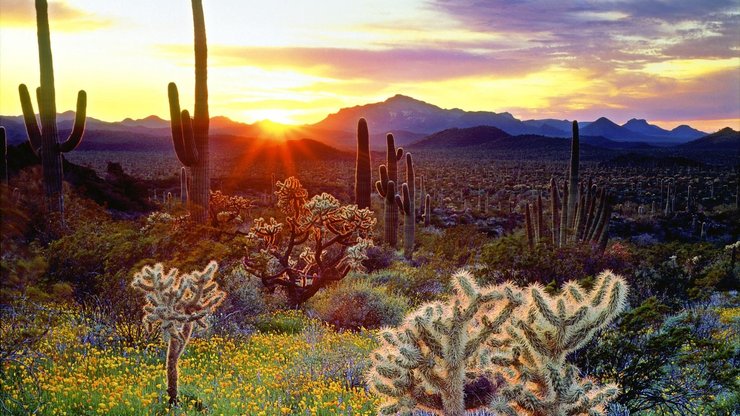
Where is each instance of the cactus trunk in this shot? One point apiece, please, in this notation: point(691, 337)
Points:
point(362, 166)
point(45, 141)
point(190, 136)
point(573, 179)
point(4, 158)
point(406, 204)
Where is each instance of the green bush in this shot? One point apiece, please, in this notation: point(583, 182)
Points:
point(282, 322)
point(356, 303)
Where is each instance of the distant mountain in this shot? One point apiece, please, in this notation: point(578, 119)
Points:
point(151, 122)
point(642, 127)
point(680, 133)
point(726, 138)
point(456, 138)
point(402, 113)
point(610, 130)
point(687, 132)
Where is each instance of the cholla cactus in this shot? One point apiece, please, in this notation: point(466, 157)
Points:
point(432, 361)
point(177, 302)
point(319, 242)
point(538, 379)
point(229, 209)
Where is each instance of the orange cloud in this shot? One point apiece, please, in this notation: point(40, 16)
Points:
point(21, 14)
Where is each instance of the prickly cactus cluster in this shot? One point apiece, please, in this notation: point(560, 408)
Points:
point(500, 348)
point(177, 302)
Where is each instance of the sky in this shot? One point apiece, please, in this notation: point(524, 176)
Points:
point(295, 61)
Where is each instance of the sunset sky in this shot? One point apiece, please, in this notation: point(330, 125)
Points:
point(671, 62)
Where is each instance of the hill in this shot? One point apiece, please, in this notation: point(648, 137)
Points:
point(725, 139)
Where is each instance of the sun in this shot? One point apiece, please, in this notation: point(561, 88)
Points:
point(274, 116)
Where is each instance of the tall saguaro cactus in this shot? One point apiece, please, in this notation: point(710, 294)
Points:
point(363, 184)
point(407, 204)
point(190, 136)
point(45, 140)
point(573, 179)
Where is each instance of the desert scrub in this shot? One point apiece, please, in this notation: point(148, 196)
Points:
point(356, 303)
point(268, 374)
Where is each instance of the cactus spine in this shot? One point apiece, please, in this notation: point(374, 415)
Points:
point(363, 184)
point(4, 158)
point(407, 205)
point(431, 361)
point(45, 140)
point(177, 302)
point(190, 136)
point(538, 379)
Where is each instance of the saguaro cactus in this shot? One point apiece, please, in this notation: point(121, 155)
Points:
point(538, 379)
point(190, 136)
point(177, 302)
point(387, 189)
point(432, 361)
point(407, 204)
point(363, 184)
point(573, 179)
point(391, 168)
point(45, 140)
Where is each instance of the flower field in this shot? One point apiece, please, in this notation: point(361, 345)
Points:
point(314, 372)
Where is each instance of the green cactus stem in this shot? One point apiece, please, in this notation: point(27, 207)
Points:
point(45, 140)
point(573, 179)
point(555, 214)
point(363, 184)
point(183, 185)
point(529, 228)
point(190, 136)
point(387, 189)
point(407, 205)
point(427, 210)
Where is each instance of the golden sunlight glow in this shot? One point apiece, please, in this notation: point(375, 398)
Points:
point(294, 62)
point(683, 69)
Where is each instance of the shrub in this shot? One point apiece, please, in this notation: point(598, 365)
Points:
point(282, 322)
point(355, 303)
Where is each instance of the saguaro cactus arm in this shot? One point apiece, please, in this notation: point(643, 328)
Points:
point(29, 117)
point(182, 130)
point(75, 137)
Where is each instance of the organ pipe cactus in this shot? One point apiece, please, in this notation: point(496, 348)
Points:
point(387, 189)
point(179, 303)
point(407, 205)
point(538, 380)
point(190, 136)
point(363, 184)
point(45, 140)
point(432, 361)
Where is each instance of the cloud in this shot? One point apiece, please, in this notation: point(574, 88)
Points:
point(393, 64)
point(609, 31)
point(21, 13)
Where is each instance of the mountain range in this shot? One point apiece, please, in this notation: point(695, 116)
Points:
point(412, 122)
